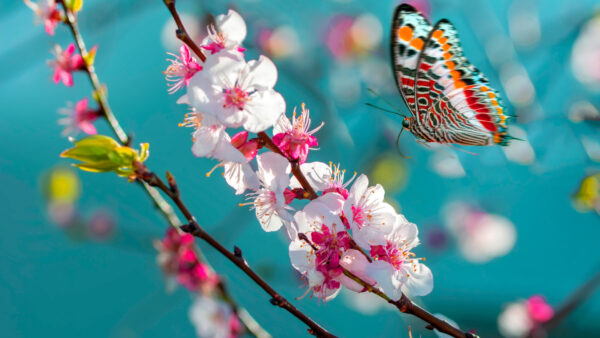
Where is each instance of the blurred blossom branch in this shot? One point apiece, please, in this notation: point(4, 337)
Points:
point(235, 257)
point(580, 295)
point(160, 203)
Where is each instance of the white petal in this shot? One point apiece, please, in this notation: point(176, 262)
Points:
point(232, 26)
point(333, 202)
point(301, 256)
point(318, 175)
point(359, 186)
point(183, 99)
point(264, 108)
point(270, 222)
point(406, 233)
point(282, 125)
point(386, 277)
point(420, 281)
point(319, 213)
point(225, 151)
point(274, 171)
point(261, 74)
point(205, 141)
point(241, 177)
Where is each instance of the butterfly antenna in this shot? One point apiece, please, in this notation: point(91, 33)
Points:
point(385, 110)
point(372, 91)
point(460, 149)
point(398, 145)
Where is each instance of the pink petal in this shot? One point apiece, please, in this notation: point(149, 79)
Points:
point(87, 127)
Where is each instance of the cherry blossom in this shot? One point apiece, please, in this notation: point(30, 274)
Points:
point(46, 11)
point(77, 118)
point(210, 139)
point(65, 64)
point(395, 267)
point(323, 177)
point(320, 243)
point(214, 318)
point(294, 138)
point(521, 317)
point(269, 202)
point(178, 258)
point(481, 236)
point(369, 217)
point(237, 93)
point(228, 34)
point(181, 69)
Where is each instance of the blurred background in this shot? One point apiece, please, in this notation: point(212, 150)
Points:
point(507, 223)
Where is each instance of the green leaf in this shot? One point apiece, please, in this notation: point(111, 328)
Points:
point(99, 153)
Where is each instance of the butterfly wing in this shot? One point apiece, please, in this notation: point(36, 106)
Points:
point(453, 99)
point(409, 33)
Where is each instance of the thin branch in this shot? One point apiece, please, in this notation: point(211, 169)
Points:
point(181, 33)
point(404, 304)
point(159, 202)
point(235, 257)
point(568, 306)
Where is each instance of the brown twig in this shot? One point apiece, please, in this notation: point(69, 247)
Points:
point(568, 306)
point(181, 33)
point(159, 202)
point(235, 257)
point(404, 304)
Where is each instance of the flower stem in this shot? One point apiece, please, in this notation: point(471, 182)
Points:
point(181, 33)
point(235, 257)
point(159, 202)
point(404, 304)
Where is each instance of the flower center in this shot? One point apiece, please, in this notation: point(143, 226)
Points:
point(236, 97)
point(358, 215)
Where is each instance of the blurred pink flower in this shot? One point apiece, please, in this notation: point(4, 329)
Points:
point(539, 310)
point(181, 69)
point(65, 64)
point(177, 257)
point(46, 11)
point(294, 138)
point(78, 118)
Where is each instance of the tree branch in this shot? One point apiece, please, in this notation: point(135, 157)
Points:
point(159, 202)
point(568, 306)
point(181, 33)
point(404, 304)
point(235, 257)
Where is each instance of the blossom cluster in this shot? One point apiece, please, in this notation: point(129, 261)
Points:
point(346, 235)
point(181, 264)
point(522, 317)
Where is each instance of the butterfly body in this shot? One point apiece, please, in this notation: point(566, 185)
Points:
point(449, 99)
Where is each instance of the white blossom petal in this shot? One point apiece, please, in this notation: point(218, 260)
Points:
point(264, 108)
point(261, 74)
point(420, 280)
point(318, 175)
point(232, 26)
point(241, 177)
point(386, 277)
point(273, 171)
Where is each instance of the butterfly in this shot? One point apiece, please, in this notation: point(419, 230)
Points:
point(449, 99)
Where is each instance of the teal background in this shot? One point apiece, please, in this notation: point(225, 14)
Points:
point(54, 285)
